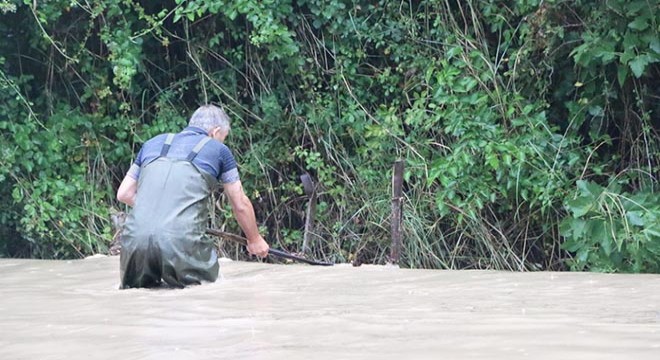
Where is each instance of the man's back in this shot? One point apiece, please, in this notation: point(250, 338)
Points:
point(214, 158)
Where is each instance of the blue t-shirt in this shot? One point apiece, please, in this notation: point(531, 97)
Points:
point(214, 158)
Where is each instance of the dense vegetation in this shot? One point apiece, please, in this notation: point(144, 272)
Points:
point(529, 128)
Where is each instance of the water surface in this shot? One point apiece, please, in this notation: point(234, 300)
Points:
point(73, 310)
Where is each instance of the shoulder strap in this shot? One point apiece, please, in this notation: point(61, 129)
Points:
point(166, 145)
point(197, 148)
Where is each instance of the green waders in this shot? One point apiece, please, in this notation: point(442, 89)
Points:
point(164, 233)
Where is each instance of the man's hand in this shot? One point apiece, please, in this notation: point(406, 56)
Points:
point(258, 247)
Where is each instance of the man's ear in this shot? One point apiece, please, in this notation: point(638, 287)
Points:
point(223, 134)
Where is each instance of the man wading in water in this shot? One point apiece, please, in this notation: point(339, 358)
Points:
point(168, 188)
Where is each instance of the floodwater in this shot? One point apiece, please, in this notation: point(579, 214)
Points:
point(73, 310)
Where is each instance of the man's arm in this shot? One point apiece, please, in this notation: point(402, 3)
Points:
point(127, 191)
point(244, 213)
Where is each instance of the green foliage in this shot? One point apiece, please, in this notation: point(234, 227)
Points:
point(498, 108)
point(52, 164)
point(6, 6)
point(610, 230)
point(615, 70)
point(629, 40)
point(505, 157)
point(266, 17)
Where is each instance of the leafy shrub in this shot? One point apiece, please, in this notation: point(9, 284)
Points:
point(496, 107)
point(611, 230)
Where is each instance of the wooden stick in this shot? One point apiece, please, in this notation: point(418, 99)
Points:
point(397, 184)
point(279, 253)
point(310, 191)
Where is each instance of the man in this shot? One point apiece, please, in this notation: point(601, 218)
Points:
point(168, 188)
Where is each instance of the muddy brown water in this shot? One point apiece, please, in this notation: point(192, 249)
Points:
point(73, 310)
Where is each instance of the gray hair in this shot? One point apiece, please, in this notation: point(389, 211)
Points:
point(209, 117)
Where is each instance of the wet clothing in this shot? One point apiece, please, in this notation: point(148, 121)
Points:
point(163, 237)
point(215, 158)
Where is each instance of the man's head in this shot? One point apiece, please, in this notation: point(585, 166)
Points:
point(213, 120)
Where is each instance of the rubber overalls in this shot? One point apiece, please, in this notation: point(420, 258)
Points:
point(163, 237)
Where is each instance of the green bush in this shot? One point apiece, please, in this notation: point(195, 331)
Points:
point(611, 230)
point(497, 108)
